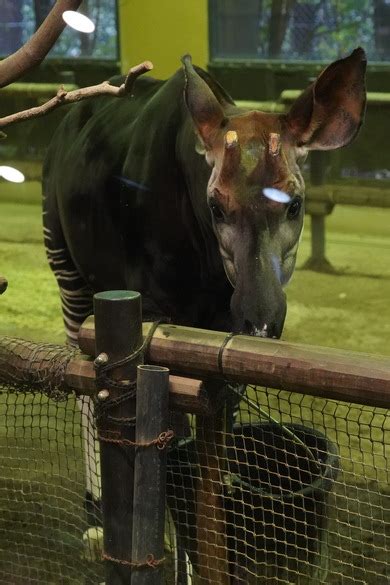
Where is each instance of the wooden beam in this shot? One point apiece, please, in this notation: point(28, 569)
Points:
point(37, 91)
point(30, 364)
point(185, 394)
point(348, 195)
point(318, 371)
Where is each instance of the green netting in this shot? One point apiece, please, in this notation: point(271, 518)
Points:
point(306, 493)
point(300, 488)
point(42, 488)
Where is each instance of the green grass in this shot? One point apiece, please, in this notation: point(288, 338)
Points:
point(349, 310)
point(42, 477)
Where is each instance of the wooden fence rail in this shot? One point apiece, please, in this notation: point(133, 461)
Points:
point(319, 371)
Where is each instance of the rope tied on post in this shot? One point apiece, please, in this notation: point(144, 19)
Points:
point(161, 442)
point(149, 563)
point(228, 337)
point(103, 366)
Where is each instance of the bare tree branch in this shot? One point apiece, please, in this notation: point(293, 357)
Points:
point(36, 49)
point(67, 97)
point(3, 284)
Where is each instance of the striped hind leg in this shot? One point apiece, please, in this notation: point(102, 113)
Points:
point(76, 295)
point(77, 304)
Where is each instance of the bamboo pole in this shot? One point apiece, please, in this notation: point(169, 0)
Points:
point(318, 371)
point(150, 475)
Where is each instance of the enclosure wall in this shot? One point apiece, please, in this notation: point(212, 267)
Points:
point(162, 32)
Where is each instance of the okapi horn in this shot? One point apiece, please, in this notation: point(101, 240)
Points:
point(232, 155)
point(274, 144)
point(231, 139)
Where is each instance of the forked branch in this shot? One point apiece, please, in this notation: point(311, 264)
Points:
point(67, 97)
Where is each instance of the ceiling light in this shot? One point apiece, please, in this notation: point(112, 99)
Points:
point(276, 195)
point(11, 174)
point(78, 21)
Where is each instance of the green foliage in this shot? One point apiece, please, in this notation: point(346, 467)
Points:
point(303, 29)
point(102, 44)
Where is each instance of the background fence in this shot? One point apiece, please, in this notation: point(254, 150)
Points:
point(302, 483)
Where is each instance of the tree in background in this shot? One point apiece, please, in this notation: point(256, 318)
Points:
point(11, 26)
point(20, 18)
point(41, 10)
point(280, 14)
point(299, 29)
point(381, 19)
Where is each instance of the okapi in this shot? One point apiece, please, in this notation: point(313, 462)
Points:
point(163, 193)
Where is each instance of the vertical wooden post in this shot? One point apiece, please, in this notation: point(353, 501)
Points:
point(150, 475)
point(213, 566)
point(118, 325)
point(318, 162)
point(318, 238)
point(318, 260)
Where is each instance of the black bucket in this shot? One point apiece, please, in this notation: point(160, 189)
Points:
point(277, 511)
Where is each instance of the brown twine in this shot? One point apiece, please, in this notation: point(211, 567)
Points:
point(160, 442)
point(149, 563)
point(228, 337)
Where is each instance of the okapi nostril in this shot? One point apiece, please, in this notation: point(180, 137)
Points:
point(251, 329)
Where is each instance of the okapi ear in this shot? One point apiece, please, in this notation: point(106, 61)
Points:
point(205, 109)
point(329, 113)
point(220, 93)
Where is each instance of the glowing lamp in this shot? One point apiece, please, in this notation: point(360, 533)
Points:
point(11, 174)
point(276, 195)
point(78, 21)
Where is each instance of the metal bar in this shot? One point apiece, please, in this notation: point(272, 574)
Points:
point(150, 476)
point(318, 371)
point(118, 335)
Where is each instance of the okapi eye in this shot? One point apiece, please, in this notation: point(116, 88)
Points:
point(216, 210)
point(294, 208)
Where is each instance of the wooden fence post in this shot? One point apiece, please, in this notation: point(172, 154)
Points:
point(213, 562)
point(318, 260)
point(118, 323)
point(150, 475)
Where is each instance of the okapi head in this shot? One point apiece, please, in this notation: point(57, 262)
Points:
point(254, 155)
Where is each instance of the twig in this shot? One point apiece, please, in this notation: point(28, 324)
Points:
point(67, 97)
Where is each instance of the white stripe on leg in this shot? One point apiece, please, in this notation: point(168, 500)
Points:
point(91, 448)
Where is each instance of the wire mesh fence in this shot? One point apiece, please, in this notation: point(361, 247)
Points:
point(42, 488)
point(300, 486)
point(307, 500)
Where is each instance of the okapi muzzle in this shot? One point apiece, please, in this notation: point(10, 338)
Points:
point(256, 191)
